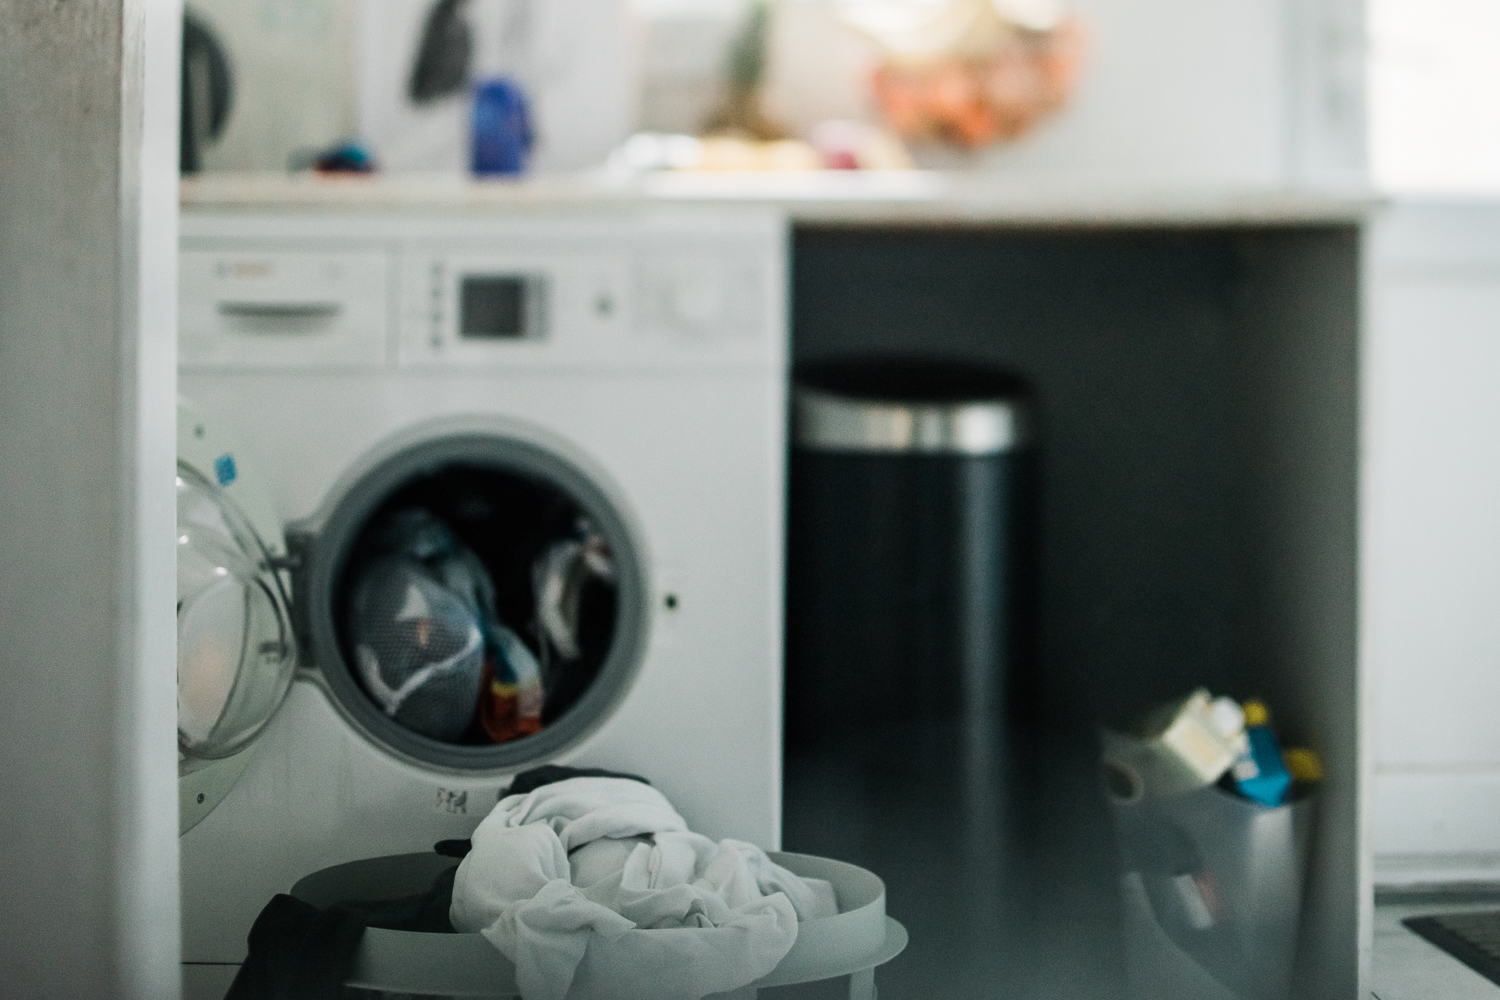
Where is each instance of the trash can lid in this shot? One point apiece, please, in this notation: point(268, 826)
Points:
point(893, 405)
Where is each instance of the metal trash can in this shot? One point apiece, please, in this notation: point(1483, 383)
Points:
point(911, 638)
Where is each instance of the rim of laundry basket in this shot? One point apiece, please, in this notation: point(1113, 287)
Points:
point(860, 936)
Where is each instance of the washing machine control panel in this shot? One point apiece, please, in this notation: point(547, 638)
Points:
point(504, 306)
point(498, 308)
point(467, 308)
point(653, 289)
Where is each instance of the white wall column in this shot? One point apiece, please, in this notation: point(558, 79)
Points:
point(88, 219)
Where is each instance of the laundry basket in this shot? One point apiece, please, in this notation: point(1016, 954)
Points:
point(852, 943)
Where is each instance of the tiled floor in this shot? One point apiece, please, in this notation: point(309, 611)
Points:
point(1406, 967)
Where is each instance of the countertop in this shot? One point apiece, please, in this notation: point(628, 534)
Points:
point(868, 198)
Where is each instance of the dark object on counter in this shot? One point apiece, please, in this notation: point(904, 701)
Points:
point(1472, 938)
point(207, 92)
point(441, 68)
point(345, 158)
point(911, 642)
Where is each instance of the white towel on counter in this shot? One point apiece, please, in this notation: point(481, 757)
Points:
point(596, 890)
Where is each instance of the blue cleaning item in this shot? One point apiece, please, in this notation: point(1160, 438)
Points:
point(1261, 775)
point(502, 133)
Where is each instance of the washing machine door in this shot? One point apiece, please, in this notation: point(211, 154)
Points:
point(235, 648)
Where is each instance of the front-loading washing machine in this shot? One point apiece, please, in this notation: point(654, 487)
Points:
point(526, 376)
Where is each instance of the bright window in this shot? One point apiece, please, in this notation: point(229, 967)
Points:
point(1434, 95)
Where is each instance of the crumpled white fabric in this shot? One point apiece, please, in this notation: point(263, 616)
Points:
point(596, 890)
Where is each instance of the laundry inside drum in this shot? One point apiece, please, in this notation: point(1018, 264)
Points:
point(477, 604)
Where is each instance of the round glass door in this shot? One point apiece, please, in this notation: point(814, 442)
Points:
point(235, 648)
point(476, 601)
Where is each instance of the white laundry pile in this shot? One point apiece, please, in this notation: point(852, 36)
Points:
point(596, 890)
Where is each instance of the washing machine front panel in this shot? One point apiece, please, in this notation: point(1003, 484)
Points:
point(315, 793)
point(699, 461)
point(683, 434)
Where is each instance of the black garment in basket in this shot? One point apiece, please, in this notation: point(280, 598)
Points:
point(299, 952)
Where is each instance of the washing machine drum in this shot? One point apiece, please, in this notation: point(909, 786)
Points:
point(474, 600)
point(235, 650)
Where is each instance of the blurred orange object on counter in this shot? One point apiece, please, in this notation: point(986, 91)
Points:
point(971, 77)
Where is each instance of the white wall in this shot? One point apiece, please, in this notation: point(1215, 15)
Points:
point(1254, 92)
point(293, 65)
point(1433, 532)
point(88, 845)
point(1433, 368)
point(1175, 90)
point(573, 58)
point(1208, 91)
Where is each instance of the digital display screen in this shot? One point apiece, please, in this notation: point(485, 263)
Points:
point(493, 307)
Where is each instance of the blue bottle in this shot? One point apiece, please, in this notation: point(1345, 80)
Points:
point(1261, 774)
point(501, 129)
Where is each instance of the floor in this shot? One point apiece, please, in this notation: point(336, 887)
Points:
point(999, 858)
point(1406, 967)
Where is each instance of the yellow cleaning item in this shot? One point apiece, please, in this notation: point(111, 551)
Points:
point(1305, 765)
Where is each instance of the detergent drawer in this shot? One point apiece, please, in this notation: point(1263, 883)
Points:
point(283, 309)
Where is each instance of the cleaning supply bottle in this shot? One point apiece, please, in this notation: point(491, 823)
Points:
point(502, 134)
point(1260, 773)
point(1228, 718)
